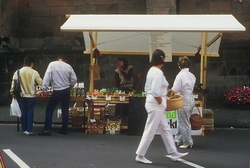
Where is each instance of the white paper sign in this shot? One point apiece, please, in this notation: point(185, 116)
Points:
point(195, 96)
point(92, 120)
point(94, 97)
point(108, 97)
point(162, 41)
point(122, 98)
point(172, 118)
point(112, 132)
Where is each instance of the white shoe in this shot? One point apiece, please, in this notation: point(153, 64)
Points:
point(142, 160)
point(178, 156)
point(177, 142)
point(186, 146)
point(28, 133)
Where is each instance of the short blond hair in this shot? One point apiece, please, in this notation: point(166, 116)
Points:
point(183, 62)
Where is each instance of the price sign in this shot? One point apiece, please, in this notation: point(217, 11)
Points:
point(162, 41)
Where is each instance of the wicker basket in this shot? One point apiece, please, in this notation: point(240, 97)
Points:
point(176, 102)
point(196, 120)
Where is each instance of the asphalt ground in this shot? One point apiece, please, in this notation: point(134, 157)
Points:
point(221, 148)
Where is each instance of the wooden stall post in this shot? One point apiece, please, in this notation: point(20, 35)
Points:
point(205, 62)
point(91, 62)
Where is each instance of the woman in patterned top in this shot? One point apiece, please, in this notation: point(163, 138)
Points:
point(184, 85)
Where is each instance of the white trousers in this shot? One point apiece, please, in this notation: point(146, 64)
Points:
point(156, 119)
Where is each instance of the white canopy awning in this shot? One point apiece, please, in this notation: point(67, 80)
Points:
point(138, 43)
point(129, 34)
point(149, 23)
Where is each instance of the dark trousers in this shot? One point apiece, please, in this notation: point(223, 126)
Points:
point(62, 96)
point(27, 108)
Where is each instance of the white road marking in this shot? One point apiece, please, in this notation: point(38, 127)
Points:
point(15, 158)
point(187, 162)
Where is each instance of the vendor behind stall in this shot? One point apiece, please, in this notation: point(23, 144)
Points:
point(124, 81)
point(123, 74)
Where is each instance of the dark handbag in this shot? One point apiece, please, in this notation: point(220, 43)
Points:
point(17, 85)
point(196, 120)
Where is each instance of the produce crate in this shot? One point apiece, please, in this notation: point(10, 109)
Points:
point(79, 104)
point(96, 127)
point(113, 98)
point(208, 120)
point(80, 112)
point(77, 122)
point(111, 109)
point(113, 127)
point(94, 131)
point(99, 114)
point(77, 112)
point(72, 112)
point(102, 97)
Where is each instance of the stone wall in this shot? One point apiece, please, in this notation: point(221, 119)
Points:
point(240, 10)
point(232, 68)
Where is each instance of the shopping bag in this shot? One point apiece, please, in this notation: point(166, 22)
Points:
point(15, 109)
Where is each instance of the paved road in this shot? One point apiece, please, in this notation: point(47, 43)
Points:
point(222, 148)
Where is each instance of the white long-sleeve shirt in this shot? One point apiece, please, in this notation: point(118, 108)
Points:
point(156, 83)
point(60, 75)
point(184, 82)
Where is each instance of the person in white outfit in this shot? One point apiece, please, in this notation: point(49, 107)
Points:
point(156, 88)
point(184, 85)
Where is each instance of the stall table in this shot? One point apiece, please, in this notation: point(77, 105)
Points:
point(91, 107)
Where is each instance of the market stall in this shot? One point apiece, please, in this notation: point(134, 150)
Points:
point(117, 34)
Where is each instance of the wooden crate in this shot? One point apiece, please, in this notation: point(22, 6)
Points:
point(100, 114)
point(113, 127)
point(94, 131)
point(77, 112)
point(80, 112)
point(96, 127)
point(72, 112)
point(77, 122)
